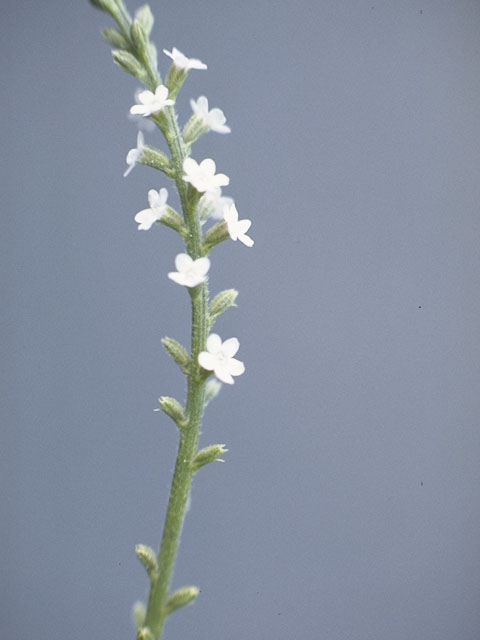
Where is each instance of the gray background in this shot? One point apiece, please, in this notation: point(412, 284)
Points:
point(348, 507)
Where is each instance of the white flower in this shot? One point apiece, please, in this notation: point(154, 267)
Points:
point(182, 62)
point(213, 119)
point(151, 102)
point(202, 176)
point(219, 358)
point(189, 272)
point(213, 204)
point(237, 229)
point(158, 202)
point(133, 155)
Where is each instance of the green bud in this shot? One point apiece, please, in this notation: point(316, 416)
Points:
point(145, 18)
point(115, 38)
point(207, 455)
point(216, 234)
point(178, 353)
point(152, 157)
point(212, 389)
point(139, 613)
point(173, 408)
point(222, 301)
point(129, 63)
point(170, 218)
point(148, 558)
point(181, 597)
point(144, 633)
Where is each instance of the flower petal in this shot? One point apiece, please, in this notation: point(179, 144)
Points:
point(179, 278)
point(206, 360)
point(230, 347)
point(236, 367)
point(214, 343)
point(202, 265)
point(222, 373)
point(183, 262)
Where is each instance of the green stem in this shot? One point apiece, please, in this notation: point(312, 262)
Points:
point(189, 434)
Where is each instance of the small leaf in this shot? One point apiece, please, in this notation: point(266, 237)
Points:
point(115, 38)
point(173, 409)
point(145, 18)
point(181, 597)
point(148, 558)
point(207, 455)
point(178, 353)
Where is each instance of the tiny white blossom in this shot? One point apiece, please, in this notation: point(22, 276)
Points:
point(213, 204)
point(202, 176)
point(151, 102)
point(219, 358)
point(189, 272)
point(237, 229)
point(213, 119)
point(133, 155)
point(182, 62)
point(158, 202)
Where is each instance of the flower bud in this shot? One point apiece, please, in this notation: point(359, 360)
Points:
point(139, 39)
point(104, 5)
point(178, 353)
point(129, 63)
point(194, 128)
point(174, 409)
point(207, 455)
point(212, 389)
point(115, 38)
point(145, 18)
point(175, 79)
point(222, 301)
point(139, 612)
point(152, 157)
point(170, 218)
point(181, 597)
point(144, 633)
point(148, 558)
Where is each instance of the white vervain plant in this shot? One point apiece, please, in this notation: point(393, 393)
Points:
point(199, 188)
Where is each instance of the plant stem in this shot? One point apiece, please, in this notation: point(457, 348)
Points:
point(189, 434)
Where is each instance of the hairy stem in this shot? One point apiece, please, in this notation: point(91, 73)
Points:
point(189, 434)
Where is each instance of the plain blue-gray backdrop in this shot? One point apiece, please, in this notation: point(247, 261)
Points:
point(348, 508)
